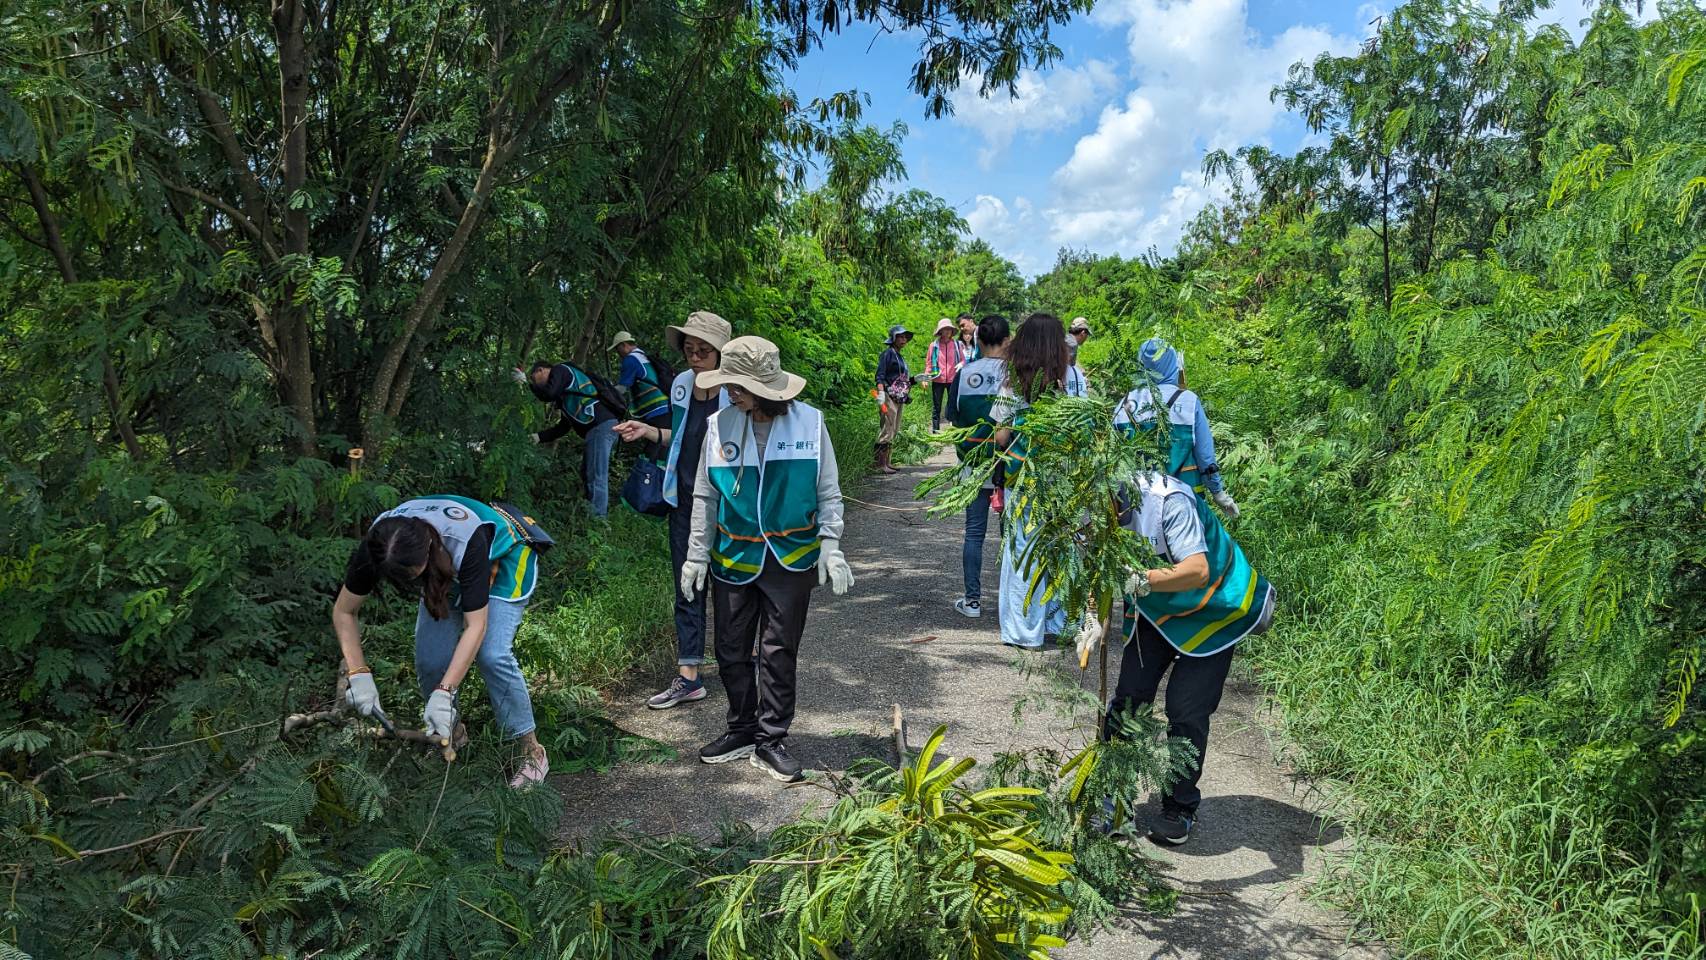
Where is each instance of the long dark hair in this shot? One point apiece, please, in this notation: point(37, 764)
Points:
point(773, 408)
point(1036, 359)
point(397, 545)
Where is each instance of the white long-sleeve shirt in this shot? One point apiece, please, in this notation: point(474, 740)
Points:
point(706, 499)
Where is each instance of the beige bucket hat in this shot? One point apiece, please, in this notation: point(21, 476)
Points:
point(946, 324)
point(1079, 323)
point(754, 365)
point(703, 324)
point(621, 338)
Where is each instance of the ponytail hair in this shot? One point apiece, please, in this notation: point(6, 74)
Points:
point(397, 546)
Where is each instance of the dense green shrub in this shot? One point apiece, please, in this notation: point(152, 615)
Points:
point(1468, 451)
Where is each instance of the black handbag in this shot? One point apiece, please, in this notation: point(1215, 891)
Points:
point(525, 528)
point(643, 490)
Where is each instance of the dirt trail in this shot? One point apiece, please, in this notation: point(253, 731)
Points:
point(1242, 876)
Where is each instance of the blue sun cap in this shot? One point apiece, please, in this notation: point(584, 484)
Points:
point(1161, 359)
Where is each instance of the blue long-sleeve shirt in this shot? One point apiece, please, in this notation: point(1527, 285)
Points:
point(1203, 448)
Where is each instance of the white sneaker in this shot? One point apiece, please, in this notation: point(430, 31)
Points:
point(970, 608)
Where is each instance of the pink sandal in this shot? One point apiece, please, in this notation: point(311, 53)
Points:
point(532, 773)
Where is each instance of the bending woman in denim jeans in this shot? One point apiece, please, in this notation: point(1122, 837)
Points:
point(473, 575)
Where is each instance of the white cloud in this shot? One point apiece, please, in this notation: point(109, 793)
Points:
point(1007, 228)
point(1202, 79)
point(1040, 102)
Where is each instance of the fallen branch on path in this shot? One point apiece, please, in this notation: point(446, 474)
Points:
point(298, 721)
point(899, 738)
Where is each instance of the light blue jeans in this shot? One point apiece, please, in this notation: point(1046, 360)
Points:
point(595, 466)
point(435, 643)
point(1025, 625)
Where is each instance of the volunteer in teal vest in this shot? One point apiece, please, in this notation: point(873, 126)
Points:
point(473, 573)
point(700, 341)
point(639, 376)
point(1187, 618)
point(1191, 457)
point(766, 513)
point(574, 394)
point(971, 405)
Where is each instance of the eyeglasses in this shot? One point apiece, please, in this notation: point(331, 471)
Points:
point(735, 392)
point(698, 350)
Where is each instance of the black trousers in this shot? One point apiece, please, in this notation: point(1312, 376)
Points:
point(938, 393)
point(772, 610)
point(1193, 694)
point(689, 614)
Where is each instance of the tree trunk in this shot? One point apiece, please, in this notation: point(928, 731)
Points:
point(295, 339)
point(1386, 228)
point(68, 272)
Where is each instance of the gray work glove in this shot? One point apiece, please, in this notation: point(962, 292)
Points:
point(362, 695)
point(832, 567)
point(1137, 584)
point(1227, 505)
point(693, 578)
point(440, 714)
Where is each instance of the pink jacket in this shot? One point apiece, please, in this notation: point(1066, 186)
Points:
point(941, 365)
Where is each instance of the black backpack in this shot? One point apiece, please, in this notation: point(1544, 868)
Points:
point(666, 374)
point(604, 391)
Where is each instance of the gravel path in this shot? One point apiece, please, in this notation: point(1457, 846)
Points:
point(1242, 876)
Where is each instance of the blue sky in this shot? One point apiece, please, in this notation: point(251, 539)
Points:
point(1103, 150)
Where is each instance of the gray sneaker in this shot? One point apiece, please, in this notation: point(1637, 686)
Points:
point(970, 608)
point(680, 690)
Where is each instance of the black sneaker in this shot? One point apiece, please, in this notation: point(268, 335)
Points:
point(1172, 827)
point(773, 759)
point(729, 746)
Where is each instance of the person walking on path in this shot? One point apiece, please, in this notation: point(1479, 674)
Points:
point(972, 406)
point(1077, 385)
point(894, 387)
point(474, 571)
point(1186, 618)
point(968, 336)
point(700, 341)
point(640, 378)
point(1079, 332)
point(1191, 458)
point(588, 412)
point(941, 362)
point(767, 509)
point(1036, 365)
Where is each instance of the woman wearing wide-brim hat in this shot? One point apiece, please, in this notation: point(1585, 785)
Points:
point(894, 391)
point(700, 341)
point(766, 511)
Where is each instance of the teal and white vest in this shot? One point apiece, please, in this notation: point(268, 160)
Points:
point(1137, 412)
point(768, 499)
point(974, 401)
point(680, 398)
point(457, 519)
point(1200, 622)
point(581, 397)
point(1076, 384)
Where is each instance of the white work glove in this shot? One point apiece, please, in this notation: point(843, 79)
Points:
point(534, 437)
point(519, 374)
point(362, 695)
point(1227, 505)
point(1137, 584)
point(1089, 634)
point(440, 714)
point(832, 567)
point(693, 578)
